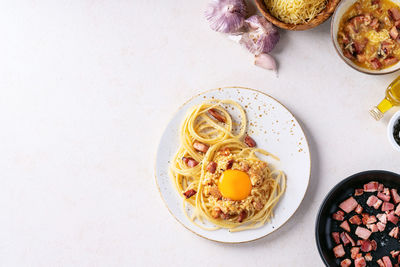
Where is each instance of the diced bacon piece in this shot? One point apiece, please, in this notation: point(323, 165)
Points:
point(397, 211)
point(375, 24)
point(359, 209)
point(368, 257)
point(381, 226)
point(211, 167)
point(249, 141)
point(350, 239)
point(372, 227)
point(374, 245)
point(386, 191)
point(339, 251)
point(344, 238)
point(216, 115)
point(391, 217)
point(394, 253)
point(199, 146)
point(371, 187)
point(355, 220)
point(383, 196)
point(336, 237)
point(360, 262)
point(348, 205)
point(363, 233)
point(394, 13)
point(387, 206)
point(345, 225)
point(378, 204)
point(190, 162)
point(354, 251)
point(345, 263)
point(394, 232)
point(372, 200)
point(368, 219)
point(189, 193)
point(380, 263)
point(387, 261)
point(360, 45)
point(338, 216)
point(380, 186)
point(395, 196)
point(366, 246)
point(360, 242)
point(390, 60)
point(358, 192)
point(375, 64)
point(394, 33)
point(382, 217)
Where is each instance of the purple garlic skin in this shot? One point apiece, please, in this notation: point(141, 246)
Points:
point(261, 36)
point(226, 16)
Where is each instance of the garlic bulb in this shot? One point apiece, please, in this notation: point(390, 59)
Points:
point(226, 15)
point(265, 61)
point(261, 36)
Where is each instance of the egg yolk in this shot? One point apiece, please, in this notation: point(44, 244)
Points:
point(234, 184)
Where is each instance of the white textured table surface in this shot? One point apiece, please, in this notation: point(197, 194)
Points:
point(87, 88)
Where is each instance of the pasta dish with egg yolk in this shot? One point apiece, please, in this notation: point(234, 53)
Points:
point(218, 171)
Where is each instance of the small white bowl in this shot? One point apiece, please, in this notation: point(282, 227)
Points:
point(392, 122)
point(343, 6)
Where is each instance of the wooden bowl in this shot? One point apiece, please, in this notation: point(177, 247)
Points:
point(320, 18)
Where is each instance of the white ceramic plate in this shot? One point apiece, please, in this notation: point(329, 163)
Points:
point(274, 129)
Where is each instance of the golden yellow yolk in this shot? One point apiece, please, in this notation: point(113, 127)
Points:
point(234, 184)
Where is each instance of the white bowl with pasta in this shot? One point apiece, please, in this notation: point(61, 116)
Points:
point(274, 129)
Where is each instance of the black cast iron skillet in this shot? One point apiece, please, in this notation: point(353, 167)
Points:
point(325, 225)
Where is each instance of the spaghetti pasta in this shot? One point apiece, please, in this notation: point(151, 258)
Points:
point(213, 146)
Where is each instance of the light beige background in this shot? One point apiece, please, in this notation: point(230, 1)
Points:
point(87, 88)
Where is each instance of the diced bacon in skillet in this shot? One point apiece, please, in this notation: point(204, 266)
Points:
point(354, 251)
point(386, 191)
point(338, 216)
point(368, 257)
point(384, 197)
point(374, 245)
point(382, 217)
point(336, 237)
point(355, 220)
point(345, 263)
point(391, 217)
point(368, 219)
point(359, 209)
point(395, 196)
point(366, 246)
point(380, 186)
point(394, 253)
point(397, 211)
point(372, 227)
point(387, 261)
point(360, 262)
point(348, 205)
point(373, 201)
point(394, 232)
point(350, 239)
point(387, 206)
point(371, 187)
point(345, 225)
point(344, 238)
point(381, 226)
point(339, 251)
point(380, 263)
point(363, 233)
point(358, 192)
point(394, 13)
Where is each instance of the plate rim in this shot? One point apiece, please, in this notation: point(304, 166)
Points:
point(309, 168)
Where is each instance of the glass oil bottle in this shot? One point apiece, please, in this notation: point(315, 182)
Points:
point(392, 98)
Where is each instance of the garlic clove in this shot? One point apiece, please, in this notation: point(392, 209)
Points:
point(265, 61)
point(226, 16)
point(261, 36)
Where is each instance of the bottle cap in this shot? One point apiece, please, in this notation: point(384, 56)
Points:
point(376, 113)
